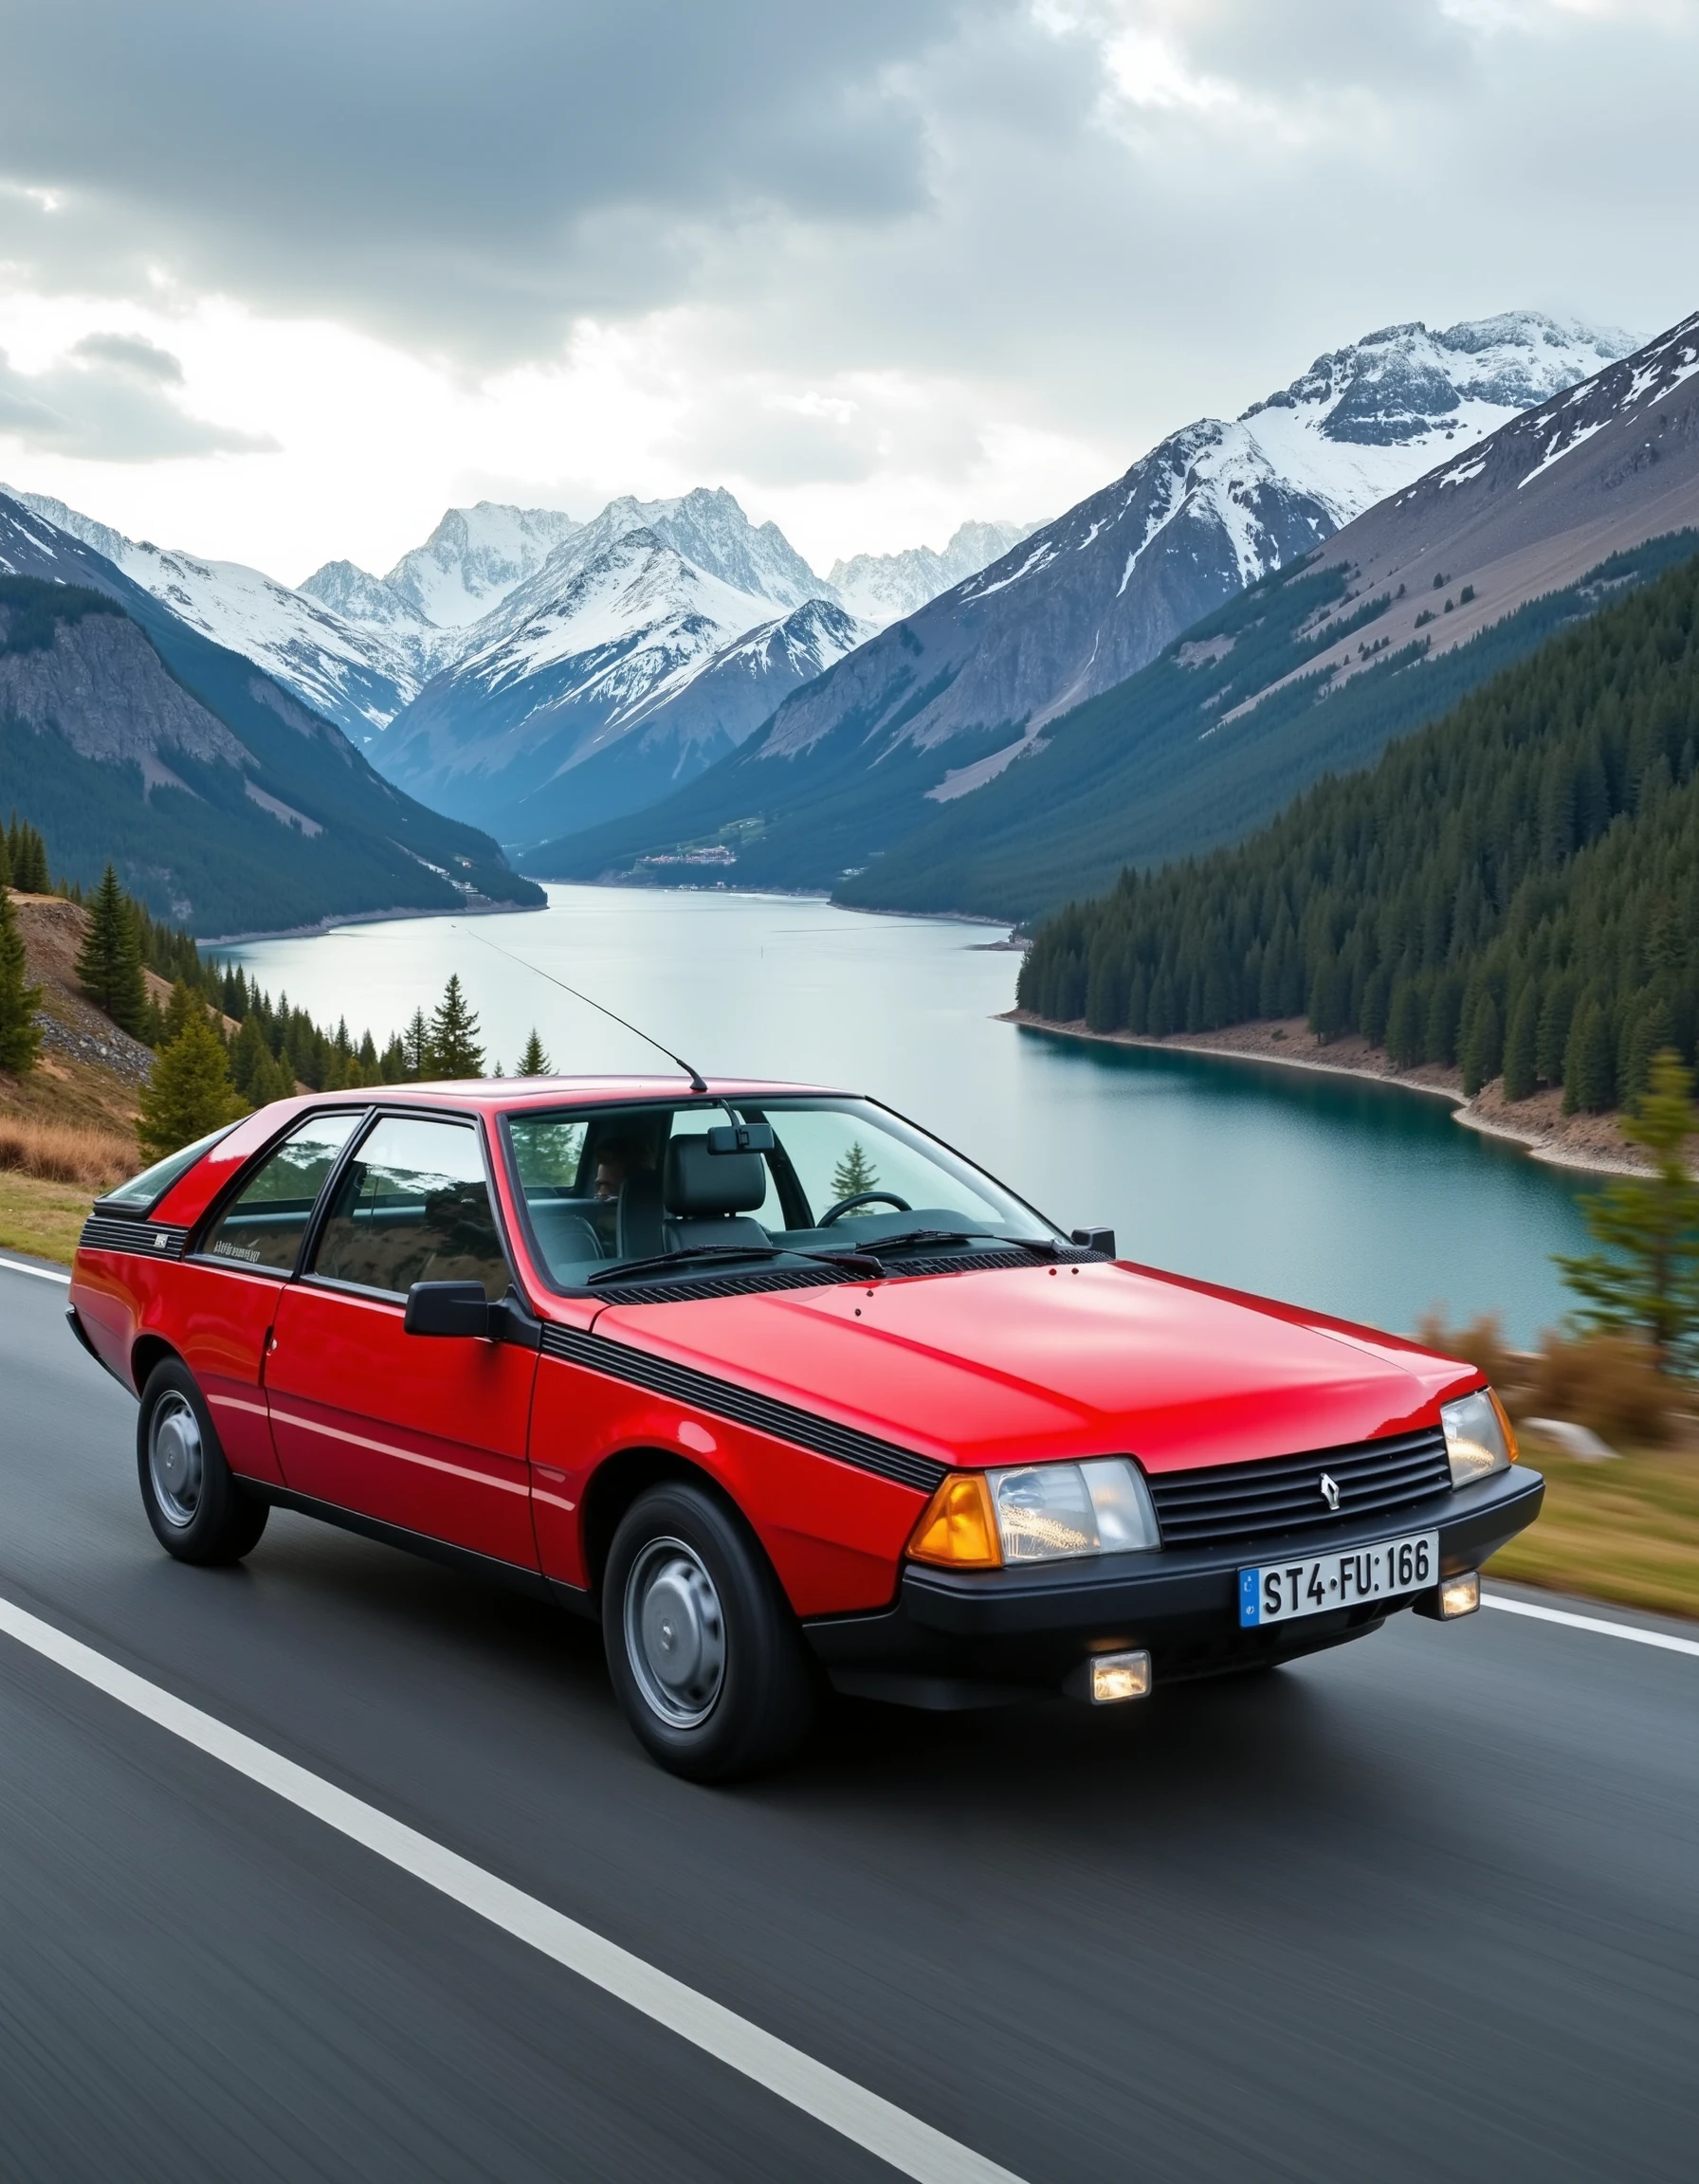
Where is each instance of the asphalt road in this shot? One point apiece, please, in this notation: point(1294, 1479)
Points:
point(1425, 1906)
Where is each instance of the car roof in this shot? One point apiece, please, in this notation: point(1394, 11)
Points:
point(514, 1094)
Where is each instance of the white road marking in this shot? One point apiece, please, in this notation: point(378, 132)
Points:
point(41, 1273)
point(912, 2148)
point(1628, 1631)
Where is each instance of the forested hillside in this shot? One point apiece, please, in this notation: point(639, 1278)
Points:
point(1514, 887)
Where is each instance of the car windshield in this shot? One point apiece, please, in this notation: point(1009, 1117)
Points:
point(697, 1187)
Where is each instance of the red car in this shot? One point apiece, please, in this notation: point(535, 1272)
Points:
point(783, 1390)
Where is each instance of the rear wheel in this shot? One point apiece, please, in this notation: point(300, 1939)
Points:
point(198, 1508)
point(704, 1653)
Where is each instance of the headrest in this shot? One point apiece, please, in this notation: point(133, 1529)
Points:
point(698, 1181)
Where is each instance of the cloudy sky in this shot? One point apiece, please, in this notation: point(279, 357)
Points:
point(280, 283)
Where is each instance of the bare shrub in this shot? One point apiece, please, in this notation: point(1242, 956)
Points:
point(1609, 1382)
point(1481, 1343)
point(62, 1153)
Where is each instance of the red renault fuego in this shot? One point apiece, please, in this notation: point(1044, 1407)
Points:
point(781, 1389)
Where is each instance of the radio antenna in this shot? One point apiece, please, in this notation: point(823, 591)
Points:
point(697, 1080)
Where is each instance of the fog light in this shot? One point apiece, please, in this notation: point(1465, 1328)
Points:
point(1118, 1676)
point(1459, 1595)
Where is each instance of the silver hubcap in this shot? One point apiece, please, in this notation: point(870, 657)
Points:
point(675, 1633)
point(176, 1463)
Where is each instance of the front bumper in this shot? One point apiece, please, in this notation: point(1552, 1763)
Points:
point(988, 1637)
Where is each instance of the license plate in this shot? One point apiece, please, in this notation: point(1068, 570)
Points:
point(1281, 1591)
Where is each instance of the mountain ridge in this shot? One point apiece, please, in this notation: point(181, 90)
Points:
point(936, 707)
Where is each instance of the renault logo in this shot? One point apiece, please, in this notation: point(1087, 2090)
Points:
point(1329, 1491)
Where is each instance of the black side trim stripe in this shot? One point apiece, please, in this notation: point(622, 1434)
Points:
point(784, 1421)
point(150, 1239)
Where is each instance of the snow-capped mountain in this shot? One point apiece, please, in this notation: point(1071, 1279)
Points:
point(879, 588)
point(351, 671)
point(605, 637)
point(497, 605)
point(436, 592)
point(1087, 600)
point(643, 752)
point(937, 706)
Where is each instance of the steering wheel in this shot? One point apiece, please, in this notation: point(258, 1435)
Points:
point(864, 1198)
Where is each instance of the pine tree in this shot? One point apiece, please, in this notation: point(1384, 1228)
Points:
point(451, 1048)
point(180, 1011)
point(109, 965)
point(1645, 1279)
point(5, 860)
point(26, 854)
point(189, 1090)
point(1481, 1057)
point(271, 1080)
point(20, 1038)
point(249, 1058)
point(415, 1048)
point(534, 1061)
point(1521, 1044)
point(853, 1173)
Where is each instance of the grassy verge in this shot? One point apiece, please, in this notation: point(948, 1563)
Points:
point(1627, 1531)
point(41, 1218)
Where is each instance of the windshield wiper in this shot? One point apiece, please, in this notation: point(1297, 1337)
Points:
point(1044, 1246)
point(660, 1262)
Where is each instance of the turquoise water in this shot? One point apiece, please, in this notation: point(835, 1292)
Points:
point(1362, 1200)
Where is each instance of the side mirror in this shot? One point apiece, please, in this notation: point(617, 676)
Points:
point(447, 1308)
point(741, 1138)
point(1095, 1240)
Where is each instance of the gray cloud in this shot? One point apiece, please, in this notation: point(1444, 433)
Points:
point(131, 353)
point(106, 402)
point(957, 190)
point(469, 176)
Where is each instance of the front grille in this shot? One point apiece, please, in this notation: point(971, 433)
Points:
point(1232, 1501)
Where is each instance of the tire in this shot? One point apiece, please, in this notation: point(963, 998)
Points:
point(705, 1656)
point(198, 1508)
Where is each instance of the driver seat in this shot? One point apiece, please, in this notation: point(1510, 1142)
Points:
point(708, 1195)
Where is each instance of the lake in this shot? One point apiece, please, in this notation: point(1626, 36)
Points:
point(1360, 1199)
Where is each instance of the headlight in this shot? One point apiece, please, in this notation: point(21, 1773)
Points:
point(1037, 1513)
point(1478, 1437)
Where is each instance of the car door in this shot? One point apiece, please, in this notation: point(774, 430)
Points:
point(426, 1433)
point(226, 1295)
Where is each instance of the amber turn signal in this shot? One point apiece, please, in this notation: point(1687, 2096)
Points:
point(956, 1527)
point(1509, 1431)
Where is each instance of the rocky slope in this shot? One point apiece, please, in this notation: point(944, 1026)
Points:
point(355, 671)
point(224, 801)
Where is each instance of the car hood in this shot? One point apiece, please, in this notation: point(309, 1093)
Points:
point(991, 1368)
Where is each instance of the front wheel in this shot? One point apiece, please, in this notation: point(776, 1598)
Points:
point(194, 1502)
point(704, 1653)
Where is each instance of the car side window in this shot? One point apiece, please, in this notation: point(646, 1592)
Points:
point(263, 1224)
point(413, 1206)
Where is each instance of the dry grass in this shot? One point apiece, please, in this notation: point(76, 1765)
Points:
point(66, 1152)
point(1627, 1531)
point(43, 1219)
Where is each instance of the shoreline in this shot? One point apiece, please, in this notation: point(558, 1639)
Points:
point(1588, 1144)
point(787, 894)
point(396, 917)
